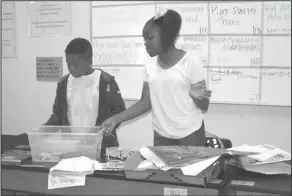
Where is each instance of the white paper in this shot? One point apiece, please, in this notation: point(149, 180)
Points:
point(196, 168)
point(63, 181)
point(149, 155)
point(77, 164)
point(49, 18)
point(71, 172)
point(175, 191)
point(8, 43)
point(146, 164)
point(266, 154)
point(270, 168)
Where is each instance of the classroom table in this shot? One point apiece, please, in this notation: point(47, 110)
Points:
point(34, 180)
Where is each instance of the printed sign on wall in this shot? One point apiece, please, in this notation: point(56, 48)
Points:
point(8, 43)
point(49, 18)
point(49, 68)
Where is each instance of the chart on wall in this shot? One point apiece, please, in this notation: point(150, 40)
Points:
point(8, 42)
point(245, 47)
point(49, 18)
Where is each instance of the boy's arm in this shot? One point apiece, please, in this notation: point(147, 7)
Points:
point(55, 118)
point(115, 100)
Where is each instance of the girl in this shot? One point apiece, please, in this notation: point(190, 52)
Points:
point(174, 88)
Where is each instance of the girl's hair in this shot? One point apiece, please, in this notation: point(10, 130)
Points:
point(169, 24)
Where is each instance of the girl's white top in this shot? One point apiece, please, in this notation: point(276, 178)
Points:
point(174, 113)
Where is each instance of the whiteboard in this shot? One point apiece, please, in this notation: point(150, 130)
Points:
point(240, 51)
point(235, 41)
point(277, 51)
point(235, 17)
point(123, 51)
point(108, 3)
point(272, 78)
point(120, 21)
point(277, 17)
point(194, 16)
point(129, 79)
point(197, 46)
point(234, 85)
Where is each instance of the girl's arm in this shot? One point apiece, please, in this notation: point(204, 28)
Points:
point(200, 95)
point(139, 108)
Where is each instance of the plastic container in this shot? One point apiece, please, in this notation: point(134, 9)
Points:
point(54, 143)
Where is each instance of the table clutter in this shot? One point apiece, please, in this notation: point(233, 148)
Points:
point(195, 166)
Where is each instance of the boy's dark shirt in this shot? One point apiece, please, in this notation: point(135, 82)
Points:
point(110, 103)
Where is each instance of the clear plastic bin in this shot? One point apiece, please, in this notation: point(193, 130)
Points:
point(54, 143)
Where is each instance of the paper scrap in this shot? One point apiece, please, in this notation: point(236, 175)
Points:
point(63, 181)
point(196, 168)
point(175, 191)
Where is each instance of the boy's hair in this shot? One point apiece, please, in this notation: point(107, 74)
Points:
point(170, 24)
point(80, 46)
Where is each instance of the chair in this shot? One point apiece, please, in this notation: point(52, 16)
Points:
point(214, 141)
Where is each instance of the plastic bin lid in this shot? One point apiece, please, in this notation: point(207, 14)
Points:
point(67, 129)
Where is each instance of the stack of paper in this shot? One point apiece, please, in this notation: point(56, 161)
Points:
point(270, 168)
point(268, 160)
point(265, 154)
point(191, 160)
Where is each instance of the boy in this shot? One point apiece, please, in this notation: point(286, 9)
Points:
point(86, 97)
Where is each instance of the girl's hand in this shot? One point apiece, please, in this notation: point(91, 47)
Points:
point(199, 91)
point(108, 126)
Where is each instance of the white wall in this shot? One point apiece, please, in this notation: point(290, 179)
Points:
point(27, 103)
